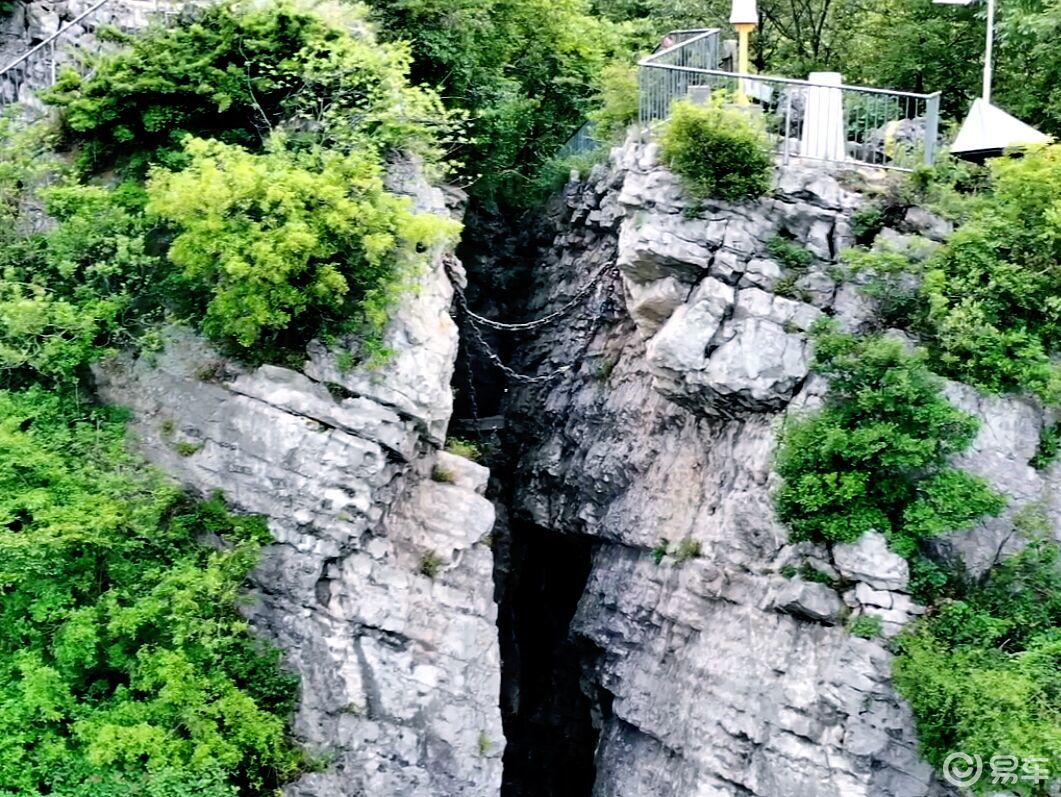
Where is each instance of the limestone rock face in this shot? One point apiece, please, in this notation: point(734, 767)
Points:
point(733, 346)
point(868, 560)
point(715, 674)
point(34, 21)
point(379, 589)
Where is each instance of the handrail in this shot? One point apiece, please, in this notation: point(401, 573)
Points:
point(787, 80)
point(807, 119)
point(704, 33)
point(51, 39)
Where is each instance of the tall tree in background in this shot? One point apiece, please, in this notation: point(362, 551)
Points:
point(524, 70)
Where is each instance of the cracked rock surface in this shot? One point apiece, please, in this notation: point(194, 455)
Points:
point(715, 675)
point(379, 589)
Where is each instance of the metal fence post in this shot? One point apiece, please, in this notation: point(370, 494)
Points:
point(931, 127)
point(788, 126)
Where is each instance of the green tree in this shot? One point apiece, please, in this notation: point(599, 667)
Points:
point(981, 671)
point(874, 457)
point(994, 316)
point(282, 245)
point(524, 70)
point(238, 73)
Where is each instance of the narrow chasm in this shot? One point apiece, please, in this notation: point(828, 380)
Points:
point(539, 574)
point(548, 720)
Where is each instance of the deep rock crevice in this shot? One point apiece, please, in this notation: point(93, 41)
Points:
point(548, 719)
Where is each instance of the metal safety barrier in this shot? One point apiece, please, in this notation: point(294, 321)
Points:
point(813, 120)
point(39, 66)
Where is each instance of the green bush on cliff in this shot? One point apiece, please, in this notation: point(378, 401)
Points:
point(265, 131)
point(717, 152)
point(282, 245)
point(993, 291)
point(874, 457)
point(125, 667)
point(981, 670)
point(239, 71)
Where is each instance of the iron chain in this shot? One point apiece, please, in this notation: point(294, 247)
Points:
point(476, 322)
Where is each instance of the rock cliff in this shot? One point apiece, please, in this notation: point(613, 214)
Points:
point(711, 673)
point(379, 588)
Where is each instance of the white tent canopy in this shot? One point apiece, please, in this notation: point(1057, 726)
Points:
point(988, 130)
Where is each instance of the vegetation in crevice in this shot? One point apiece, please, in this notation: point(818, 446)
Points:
point(981, 671)
point(874, 457)
point(980, 668)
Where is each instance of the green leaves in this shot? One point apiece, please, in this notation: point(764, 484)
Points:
point(523, 72)
point(875, 455)
point(288, 243)
point(991, 290)
point(717, 153)
point(124, 665)
point(981, 672)
point(237, 73)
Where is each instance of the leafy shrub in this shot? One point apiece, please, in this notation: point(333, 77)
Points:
point(717, 152)
point(866, 222)
point(789, 254)
point(875, 456)
point(237, 72)
point(617, 101)
point(430, 564)
point(809, 572)
point(125, 667)
point(443, 475)
point(687, 549)
point(659, 550)
point(994, 312)
point(460, 447)
point(44, 336)
point(867, 626)
point(281, 245)
point(1049, 447)
point(980, 671)
point(555, 172)
point(893, 280)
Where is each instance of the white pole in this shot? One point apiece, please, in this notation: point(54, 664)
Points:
point(988, 49)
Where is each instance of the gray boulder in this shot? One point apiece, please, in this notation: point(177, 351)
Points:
point(869, 560)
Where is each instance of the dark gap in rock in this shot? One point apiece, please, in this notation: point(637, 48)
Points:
point(548, 720)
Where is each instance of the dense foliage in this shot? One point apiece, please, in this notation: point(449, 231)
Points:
point(124, 665)
point(874, 457)
point(285, 244)
point(238, 72)
point(263, 132)
point(993, 292)
point(717, 152)
point(523, 71)
point(277, 230)
point(981, 672)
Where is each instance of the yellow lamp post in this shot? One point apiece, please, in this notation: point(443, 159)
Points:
point(743, 16)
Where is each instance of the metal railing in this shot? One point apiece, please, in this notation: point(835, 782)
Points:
point(581, 142)
point(39, 66)
point(814, 121)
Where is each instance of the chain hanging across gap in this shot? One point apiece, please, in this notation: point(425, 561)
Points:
point(475, 321)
